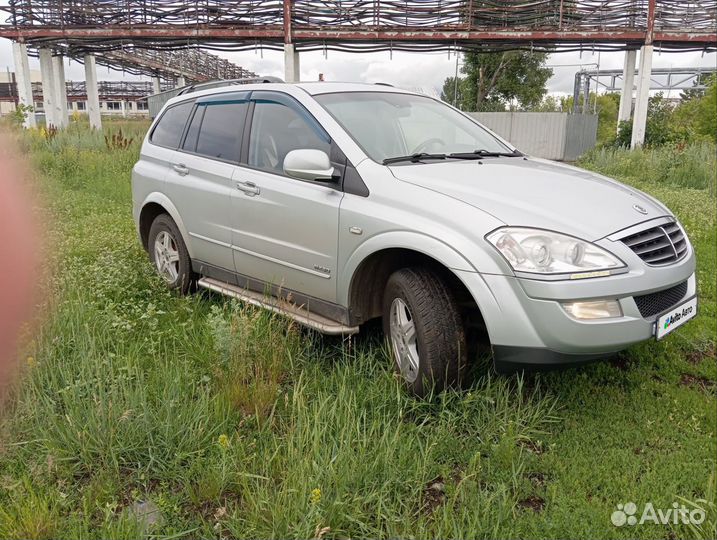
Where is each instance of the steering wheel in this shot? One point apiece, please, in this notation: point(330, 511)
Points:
point(425, 144)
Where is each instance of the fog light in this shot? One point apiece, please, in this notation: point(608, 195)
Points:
point(599, 309)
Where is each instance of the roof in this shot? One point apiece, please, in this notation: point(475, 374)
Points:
point(315, 88)
point(312, 88)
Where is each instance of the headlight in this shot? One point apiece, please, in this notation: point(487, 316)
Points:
point(546, 252)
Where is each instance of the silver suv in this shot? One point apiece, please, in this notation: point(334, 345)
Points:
point(338, 203)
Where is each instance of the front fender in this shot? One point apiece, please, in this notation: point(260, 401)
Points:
point(164, 201)
point(428, 245)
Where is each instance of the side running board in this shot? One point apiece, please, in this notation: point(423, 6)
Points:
point(297, 313)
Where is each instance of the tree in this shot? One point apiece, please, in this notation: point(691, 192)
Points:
point(707, 122)
point(692, 93)
point(607, 109)
point(660, 128)
point(493, 80)
point(694, 119)
point(451, 90)
point(20, 114)
point(548, 104)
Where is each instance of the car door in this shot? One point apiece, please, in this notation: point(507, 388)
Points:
point(200, 179)
point(150, 172)
point(285, 230)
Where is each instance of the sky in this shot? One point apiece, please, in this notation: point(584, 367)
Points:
point(423, 72)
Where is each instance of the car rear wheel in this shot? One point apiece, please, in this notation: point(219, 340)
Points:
point(169, 254)
point(425, 331)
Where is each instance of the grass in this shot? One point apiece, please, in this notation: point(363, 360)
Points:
point(235, 423)
point(690, 166)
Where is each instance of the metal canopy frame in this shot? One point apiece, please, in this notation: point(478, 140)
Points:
point(365, 25)
point(665, 79)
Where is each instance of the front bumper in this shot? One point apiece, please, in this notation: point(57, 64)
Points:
point(508, 359)
point(528, 327)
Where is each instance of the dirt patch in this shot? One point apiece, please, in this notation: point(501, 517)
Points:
point(698, 382)
point(534, 503)
point(530, 446)
point(620, 361)
point(697, 357)
point(538, 479)
point(434, 494)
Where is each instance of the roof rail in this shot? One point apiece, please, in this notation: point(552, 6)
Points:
point(383, 84)
point(228, 82)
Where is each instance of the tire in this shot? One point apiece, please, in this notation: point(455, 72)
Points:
point(167, 248)
point(419, 296)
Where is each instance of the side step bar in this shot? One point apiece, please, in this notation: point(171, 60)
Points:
point(297, 313)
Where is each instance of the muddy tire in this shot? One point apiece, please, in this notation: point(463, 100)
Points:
point(424, 328)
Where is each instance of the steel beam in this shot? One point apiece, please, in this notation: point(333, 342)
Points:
point(356, 33)
point(586, 95)
point(576, 91)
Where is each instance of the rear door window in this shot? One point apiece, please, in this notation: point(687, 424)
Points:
point(170, 126)
point(221, 128)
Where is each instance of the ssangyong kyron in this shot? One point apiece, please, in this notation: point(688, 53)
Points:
point(339, 203)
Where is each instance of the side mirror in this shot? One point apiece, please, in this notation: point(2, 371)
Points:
point(308, 164)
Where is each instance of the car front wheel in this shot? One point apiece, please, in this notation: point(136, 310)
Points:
point(425, 331)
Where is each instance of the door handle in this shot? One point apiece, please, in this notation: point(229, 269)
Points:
point(181, 169)
point(250, 188)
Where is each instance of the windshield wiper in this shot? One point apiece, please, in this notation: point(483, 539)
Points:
point(413, 158)
point(477, 154)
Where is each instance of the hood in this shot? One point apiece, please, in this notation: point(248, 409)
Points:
point(537, 193)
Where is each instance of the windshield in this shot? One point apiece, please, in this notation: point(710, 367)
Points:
point(388, 125)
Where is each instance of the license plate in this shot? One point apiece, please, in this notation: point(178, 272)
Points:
point(676, 317)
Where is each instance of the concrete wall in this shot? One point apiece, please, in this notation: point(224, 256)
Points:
point(580, 135)
point(157, 101)
point(558, 136)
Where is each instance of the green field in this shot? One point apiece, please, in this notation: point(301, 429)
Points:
point(233, 423)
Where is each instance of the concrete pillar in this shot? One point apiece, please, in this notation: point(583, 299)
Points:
point(48, 90)
point(93, 94)
point(639, 120)
point(123, 108)
point(292, 69)
point(23, 82)
point(628, 82)
point(156, 87)
point(58, 70)
point(181, 81)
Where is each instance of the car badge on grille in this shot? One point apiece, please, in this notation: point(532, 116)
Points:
point(640, 209)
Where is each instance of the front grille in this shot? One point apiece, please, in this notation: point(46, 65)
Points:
point(659, 245)
point(657, 302)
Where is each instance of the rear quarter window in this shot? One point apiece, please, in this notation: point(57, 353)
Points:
point(170, 125)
